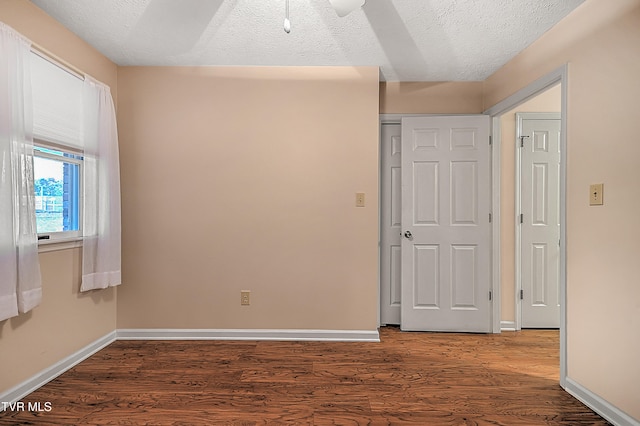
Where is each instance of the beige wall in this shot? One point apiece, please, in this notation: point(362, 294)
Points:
point(549, 101)
point(431, 97)
point(65, 321)
point(252, 187)
point(244, 178)
point(600, 41)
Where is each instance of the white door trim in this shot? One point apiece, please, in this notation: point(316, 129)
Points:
point(397, 118)
point(389, 231)
point(385, 119)
point(559, 75)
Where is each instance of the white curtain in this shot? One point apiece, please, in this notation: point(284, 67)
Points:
point(20, 281)
point(101, 188)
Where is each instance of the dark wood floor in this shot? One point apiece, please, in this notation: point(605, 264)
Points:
point(408, 378)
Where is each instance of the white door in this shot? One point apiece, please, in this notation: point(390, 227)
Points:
point(446, 199)
point(390, 200)
point(539, 134)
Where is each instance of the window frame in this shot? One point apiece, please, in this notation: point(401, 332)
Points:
point(69, 155)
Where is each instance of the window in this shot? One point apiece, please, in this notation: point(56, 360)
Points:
point(57, 185)
point(58, 150)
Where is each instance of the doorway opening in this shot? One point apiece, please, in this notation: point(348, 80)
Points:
point(529, 212)
point(435, 223)
point(557, 78)
point(506, 313)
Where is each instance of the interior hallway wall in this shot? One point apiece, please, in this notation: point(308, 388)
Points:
point(599, 41)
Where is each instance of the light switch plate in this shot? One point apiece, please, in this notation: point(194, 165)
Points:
point(359, 199)
point(595, 194)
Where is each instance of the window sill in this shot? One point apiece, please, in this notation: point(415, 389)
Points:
point(45, 246)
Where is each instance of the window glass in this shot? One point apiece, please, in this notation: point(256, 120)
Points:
point(57, 190)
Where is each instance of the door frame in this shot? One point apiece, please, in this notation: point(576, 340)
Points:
point(385, 119)
point(518, 199)
point(494, 170)
point(559, 75)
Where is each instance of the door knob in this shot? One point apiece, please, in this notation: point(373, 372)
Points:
point(407, 234)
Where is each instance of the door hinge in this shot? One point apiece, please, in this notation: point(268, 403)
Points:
point(490, 295)
point(521, 218)
point(521, 294)
point(490, 140)
point(490, 218)
point(522, 141)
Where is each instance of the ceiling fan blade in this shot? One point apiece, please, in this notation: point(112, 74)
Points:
point(344, 7)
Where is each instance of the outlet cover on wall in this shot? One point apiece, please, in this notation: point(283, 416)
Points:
point(596, 195)
point(245, 297)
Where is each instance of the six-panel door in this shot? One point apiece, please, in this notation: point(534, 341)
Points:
point(446, 202)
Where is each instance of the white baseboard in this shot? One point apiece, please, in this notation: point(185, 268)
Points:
point(507, 325)
point(45, 376)
point(257, 334)
point(603, 408)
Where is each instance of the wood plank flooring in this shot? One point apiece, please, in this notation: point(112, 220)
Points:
point(408, 378)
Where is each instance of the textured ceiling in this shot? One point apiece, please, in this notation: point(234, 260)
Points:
point(410, 40)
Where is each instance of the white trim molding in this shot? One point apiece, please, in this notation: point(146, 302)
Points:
point(396, 118)
point(255, 334)
point(559, 75)
point(45, 246)
point(507, 325)
point(599, 405)
point(45, 376)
